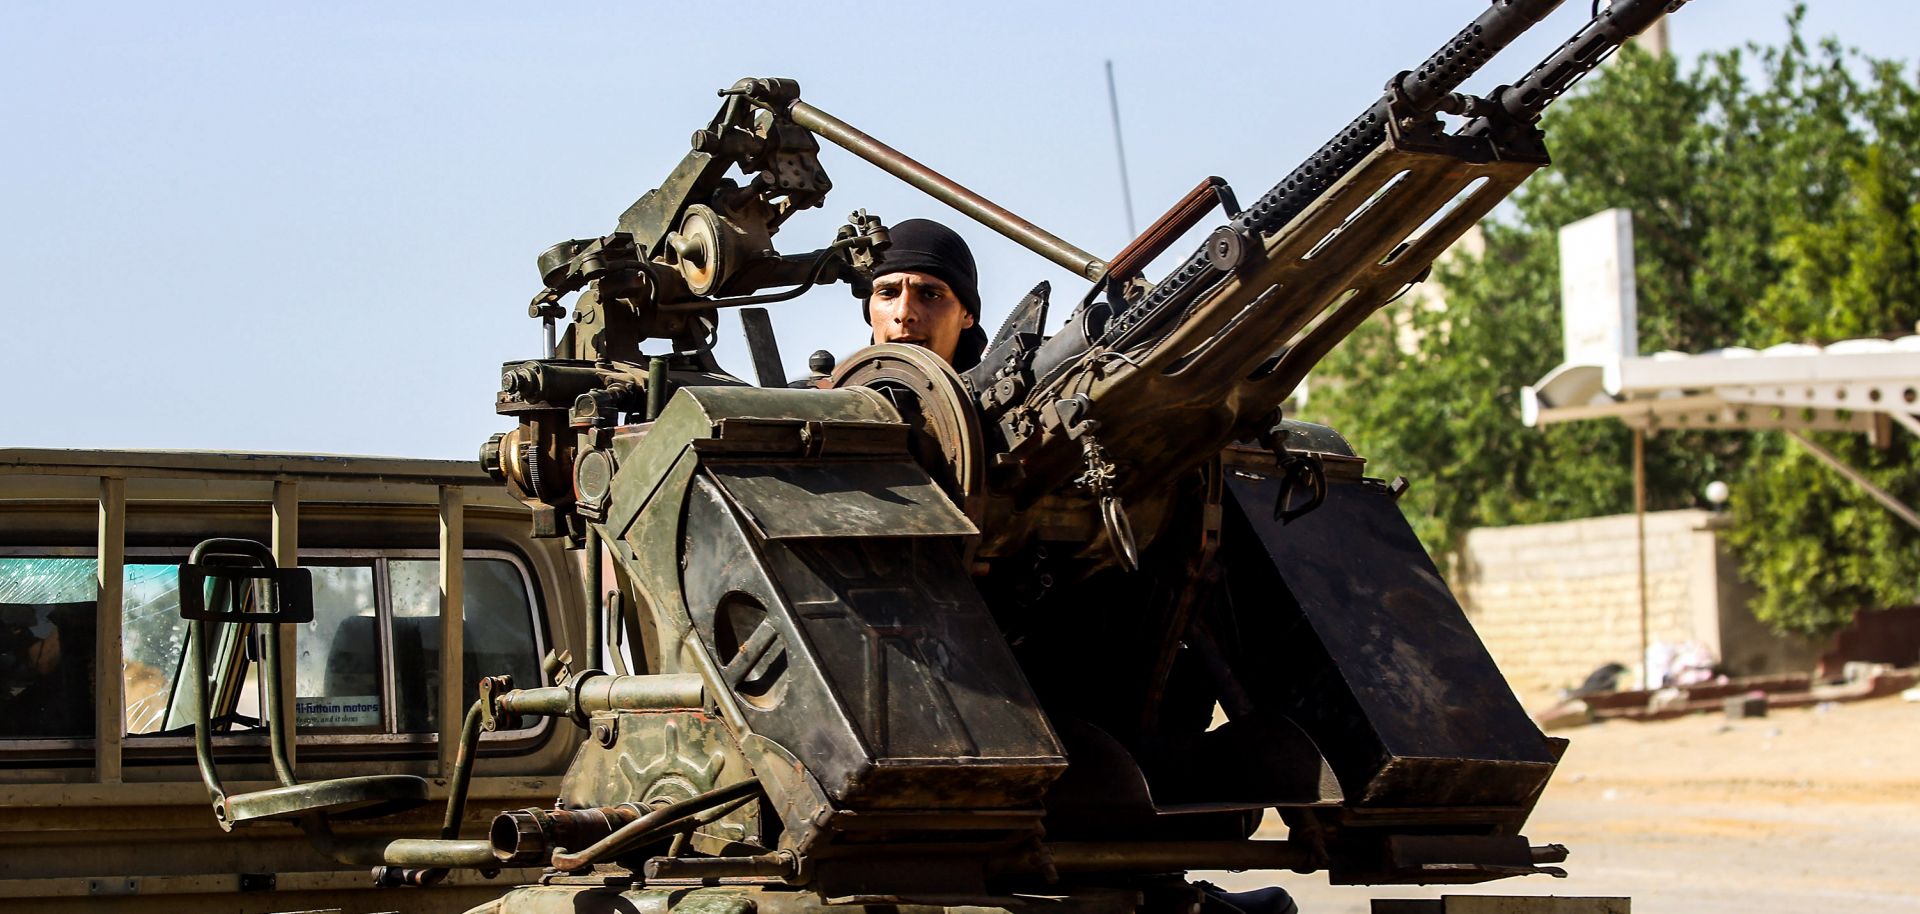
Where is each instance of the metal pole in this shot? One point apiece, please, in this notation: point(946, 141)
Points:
point(656, 387)
point(594, 602)
point(1640, 534)
point(946, 190)
point(1158, 856)
point(1854, 476)
point(1906, 421)
point(110, 700)
point(286, 554)
point(453, 526)
point(1120, 149)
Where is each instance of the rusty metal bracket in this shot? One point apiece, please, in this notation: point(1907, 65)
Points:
point(1299, 472)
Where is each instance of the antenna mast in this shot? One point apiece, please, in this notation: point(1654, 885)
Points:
point(1120, 149)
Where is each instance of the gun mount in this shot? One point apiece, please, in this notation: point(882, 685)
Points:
point(934, 638)
point(967, 631)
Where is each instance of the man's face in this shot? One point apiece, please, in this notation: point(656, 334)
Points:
point(920, 309)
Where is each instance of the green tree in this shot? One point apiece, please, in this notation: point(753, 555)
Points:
point(1776, 198)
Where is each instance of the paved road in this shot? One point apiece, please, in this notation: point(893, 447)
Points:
point(1805, 811)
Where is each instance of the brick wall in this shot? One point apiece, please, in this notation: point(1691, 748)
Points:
point(1555, 601)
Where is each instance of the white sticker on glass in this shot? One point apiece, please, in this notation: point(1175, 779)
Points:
point(337, 711)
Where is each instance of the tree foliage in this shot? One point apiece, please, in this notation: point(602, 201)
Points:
point(1776, 198)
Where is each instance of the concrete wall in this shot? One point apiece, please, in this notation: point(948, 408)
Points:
point(1555, 601)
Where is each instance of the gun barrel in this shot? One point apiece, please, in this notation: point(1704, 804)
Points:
point(1577, 56)
point(1173, 376)
point(1423, 87)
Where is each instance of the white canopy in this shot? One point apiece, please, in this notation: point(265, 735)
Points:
point(1853, 385)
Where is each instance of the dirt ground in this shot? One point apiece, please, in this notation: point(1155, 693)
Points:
point(1810, 810)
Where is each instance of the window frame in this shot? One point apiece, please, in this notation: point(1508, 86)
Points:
point(154, 749)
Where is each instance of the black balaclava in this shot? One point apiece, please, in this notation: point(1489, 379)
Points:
point(926, 246)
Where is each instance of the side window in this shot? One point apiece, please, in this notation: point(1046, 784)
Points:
point(368, 663)
point(46, 647)
point(153, 636)
point(338, 674)
point(497, 625)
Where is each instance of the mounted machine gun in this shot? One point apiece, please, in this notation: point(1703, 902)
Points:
point(956, 639)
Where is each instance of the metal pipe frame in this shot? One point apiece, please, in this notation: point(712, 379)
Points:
point(453, 536)
point(420, 853)
point(1899, 508)
point(462, 773)
point(409, 871)
point(284, 638)
point(946, 190)
point(589, 695)
point(195, 666)
point(654, 823)
point(595, 603)
point(109, 721)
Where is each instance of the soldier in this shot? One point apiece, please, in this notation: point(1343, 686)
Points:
point(926, 291)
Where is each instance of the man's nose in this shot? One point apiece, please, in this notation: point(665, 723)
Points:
point(907, 308)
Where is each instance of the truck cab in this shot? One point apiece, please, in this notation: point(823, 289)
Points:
point(101, 805)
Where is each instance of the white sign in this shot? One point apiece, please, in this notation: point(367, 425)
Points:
point(1598, 303)
point(337, 711)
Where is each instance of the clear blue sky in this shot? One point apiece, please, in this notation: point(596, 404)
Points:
point(256, 226)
